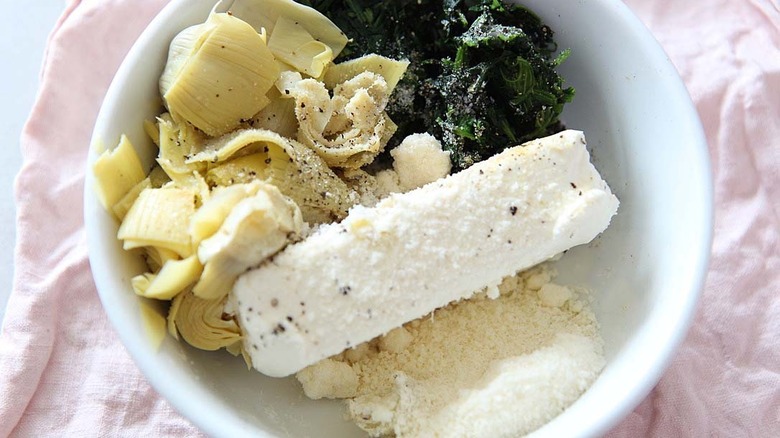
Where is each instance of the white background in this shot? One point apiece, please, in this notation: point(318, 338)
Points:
point(24, 29)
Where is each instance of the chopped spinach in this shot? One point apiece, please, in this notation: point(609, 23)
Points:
point(482, 74)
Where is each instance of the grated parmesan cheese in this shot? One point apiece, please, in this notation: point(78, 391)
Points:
point(478, 368)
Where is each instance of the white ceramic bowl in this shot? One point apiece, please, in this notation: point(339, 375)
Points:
point(646, 270)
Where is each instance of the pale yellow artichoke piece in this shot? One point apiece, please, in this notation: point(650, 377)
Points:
point(197, 185)
point(295, 169)
point(116, 172)
point(173, 278)
point(390, 69)
point(154, 324)
point(161, 218)
point(152, 131)
point(178, 141)
point(121, 208)
point(255, 229)
point(350, 130)
point(265, 14)
point(305, 177)
point(209, 217)
point(173, 313)
point(158, 177)
point(157, 257)
point(141, 282)
point(243, 142)
point(294, 45)
point(279, 117)
point(241, 170)
point(218, 74)
point(238, 348)
point(287, 80)
point(202, 323)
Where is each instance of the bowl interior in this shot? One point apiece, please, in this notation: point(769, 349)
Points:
point(646, 270)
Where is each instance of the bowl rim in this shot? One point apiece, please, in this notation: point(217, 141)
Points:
point(633, 392)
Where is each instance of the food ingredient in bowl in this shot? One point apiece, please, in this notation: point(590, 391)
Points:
point(418, 251)
point(477, 368)
point(255, 228)
point(217, 73)
point(420, 160)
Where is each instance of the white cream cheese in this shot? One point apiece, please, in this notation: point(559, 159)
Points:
point(416, 252)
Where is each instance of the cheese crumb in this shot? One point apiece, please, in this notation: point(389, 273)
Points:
point(553, 295)
point(387, 183)
point(537, 280)
point(395, 341)
point(328, 379)
point(355, 354)
point(420, 160)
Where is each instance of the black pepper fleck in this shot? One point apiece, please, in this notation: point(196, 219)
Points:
point(279, 329)
point(513, 210)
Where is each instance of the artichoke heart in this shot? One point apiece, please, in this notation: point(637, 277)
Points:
point(161, 218)
point(177, 142)
point(213, 213)
point(291, 43)
point(173, 278)
point(202, 323)
point(241, 170)
point(278, 116)
point(295, 169)
point(117, 171)
point(121, 208)
point(265, 14)
point(156, 257)
point(256, 228)
point(348, 130)
point(218, 74)
point(390, 69)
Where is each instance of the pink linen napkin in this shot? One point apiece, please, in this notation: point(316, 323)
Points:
point(64, 372)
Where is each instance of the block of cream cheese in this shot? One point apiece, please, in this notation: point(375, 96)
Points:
point(415, 252)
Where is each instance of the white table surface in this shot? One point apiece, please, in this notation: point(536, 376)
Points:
point(24, 29)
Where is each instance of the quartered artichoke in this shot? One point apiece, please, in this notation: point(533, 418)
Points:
point(218, 74)
point(202, 323)
point(256, 228)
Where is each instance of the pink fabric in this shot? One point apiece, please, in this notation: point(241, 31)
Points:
point(64, 372)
